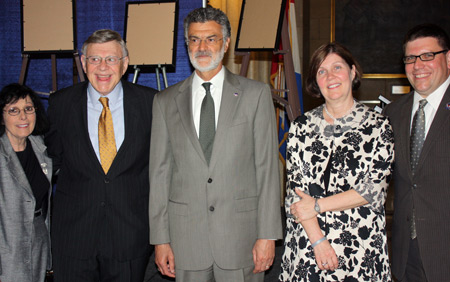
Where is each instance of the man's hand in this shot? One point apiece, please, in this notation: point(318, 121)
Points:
point(263, 254)
point(164, 259)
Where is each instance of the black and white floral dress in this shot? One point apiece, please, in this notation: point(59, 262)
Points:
point(360, 149)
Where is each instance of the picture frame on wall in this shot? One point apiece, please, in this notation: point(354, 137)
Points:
point(374, 30)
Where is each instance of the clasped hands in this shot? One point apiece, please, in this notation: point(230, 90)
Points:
point(304, 208)
point(324, 253)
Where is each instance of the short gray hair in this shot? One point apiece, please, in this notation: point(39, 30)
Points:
point(202, 15)
point(103, 36)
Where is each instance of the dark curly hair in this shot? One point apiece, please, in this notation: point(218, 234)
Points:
point(202, 15)
point(11, 93)
point(311, 86)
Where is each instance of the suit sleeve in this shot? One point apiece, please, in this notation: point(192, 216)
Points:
point(267, 169)
point(52, 138)
point(161, 164)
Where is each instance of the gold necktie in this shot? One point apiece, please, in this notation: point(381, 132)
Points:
point(106, 140)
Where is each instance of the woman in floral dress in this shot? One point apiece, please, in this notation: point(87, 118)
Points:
point(339, 163)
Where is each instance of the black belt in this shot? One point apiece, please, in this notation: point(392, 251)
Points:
point(38, 213)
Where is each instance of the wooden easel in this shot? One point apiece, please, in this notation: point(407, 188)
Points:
point(26, 58)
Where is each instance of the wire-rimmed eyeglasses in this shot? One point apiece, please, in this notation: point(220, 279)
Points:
point(110, 60)
point(14, 111)
point(429, 56)
point(195, 41)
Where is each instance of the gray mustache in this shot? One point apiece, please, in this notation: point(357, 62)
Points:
point(202, 53)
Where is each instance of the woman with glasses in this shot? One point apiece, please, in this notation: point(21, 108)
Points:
point(25, 176)
point(339, 162)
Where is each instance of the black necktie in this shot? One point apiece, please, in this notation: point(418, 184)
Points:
point(207, 123)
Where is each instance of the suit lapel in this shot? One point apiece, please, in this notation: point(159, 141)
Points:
point(79, 112)
point(403, 143)
point(43, 159)
point(440, 121)
point(130, 106)
point(13, 164)
point(231, 95)
point(183, 101)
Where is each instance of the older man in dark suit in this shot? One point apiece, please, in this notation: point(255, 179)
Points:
point(421, 123)
point(100, 139)
point(215, 200)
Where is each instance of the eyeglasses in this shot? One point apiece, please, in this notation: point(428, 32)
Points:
point(16, 111)
point(429, 56)
point(195, 41)
point(110, 60)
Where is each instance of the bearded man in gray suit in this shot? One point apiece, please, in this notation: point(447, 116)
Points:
point(214, 197)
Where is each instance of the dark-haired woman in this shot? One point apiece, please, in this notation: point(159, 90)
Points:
point(339, 163)
point(25, 173)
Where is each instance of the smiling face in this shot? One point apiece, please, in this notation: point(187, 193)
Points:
point(207, 59)
point(19, 127)
point(104, 77)
point(426, 77)
point(334, 78)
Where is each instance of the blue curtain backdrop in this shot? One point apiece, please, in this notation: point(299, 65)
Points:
point(90, 16)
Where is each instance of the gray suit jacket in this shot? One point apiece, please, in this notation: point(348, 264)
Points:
point(428, 191)
point(215, 213)
point(17, 204)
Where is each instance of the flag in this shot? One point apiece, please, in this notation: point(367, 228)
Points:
point(278, 80)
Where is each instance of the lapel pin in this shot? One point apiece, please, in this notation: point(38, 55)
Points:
point(448, 106)
point(236, 94)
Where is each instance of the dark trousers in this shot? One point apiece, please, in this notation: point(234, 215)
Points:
point(414, 269)
point(98, 269)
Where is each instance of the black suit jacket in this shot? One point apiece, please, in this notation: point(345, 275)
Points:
point(428, 191)
point(93, 211)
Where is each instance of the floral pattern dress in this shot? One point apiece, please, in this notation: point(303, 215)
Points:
point(360, 147)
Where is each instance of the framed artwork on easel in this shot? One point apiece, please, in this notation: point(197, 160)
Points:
point(48, 26)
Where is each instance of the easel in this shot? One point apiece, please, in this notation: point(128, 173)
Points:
point(157, 70)
point(26, 58)
point(292, 104)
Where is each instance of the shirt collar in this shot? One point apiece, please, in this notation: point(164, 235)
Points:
point(113, 96)
point(216, 81)
point(435, 98)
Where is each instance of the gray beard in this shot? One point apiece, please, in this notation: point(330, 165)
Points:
point(212, 65)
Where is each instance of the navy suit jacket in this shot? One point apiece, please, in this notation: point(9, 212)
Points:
point(93, 211)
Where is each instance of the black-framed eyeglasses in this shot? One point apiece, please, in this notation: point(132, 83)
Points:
point(195, 41)
point(16, 111)
point(429, 56)
point(110, 60)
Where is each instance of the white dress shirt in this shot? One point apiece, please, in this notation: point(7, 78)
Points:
point(199, 92)
point(433, 101)
point(95, 108)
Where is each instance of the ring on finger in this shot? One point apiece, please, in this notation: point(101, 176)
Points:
point(325, 263)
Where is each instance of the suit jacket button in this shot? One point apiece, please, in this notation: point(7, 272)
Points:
point(209, 180)
point(106, 180)
point(211, 208)
point(102, 204)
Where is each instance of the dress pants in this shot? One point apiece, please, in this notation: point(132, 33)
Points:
point(217, 274)
point(98, 269)
point(414, 269)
